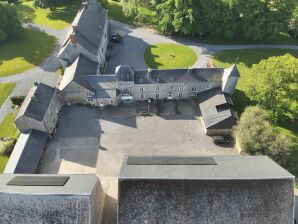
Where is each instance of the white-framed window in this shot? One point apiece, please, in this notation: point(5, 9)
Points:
point(170, 94)
point(157, 88)
point(112, 101)
point(194, 90)
point(180, 94)
point(181, 87)
point(142, 89)
point(157, 96)
point(172, 87)
point(208, 86)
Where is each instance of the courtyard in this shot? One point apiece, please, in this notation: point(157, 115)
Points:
point(94, 140)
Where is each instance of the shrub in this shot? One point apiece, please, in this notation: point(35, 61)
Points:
point(6, 147)
point(17, 100)
point(257, 136)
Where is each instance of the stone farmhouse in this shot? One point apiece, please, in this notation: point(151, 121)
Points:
point(88, 35)
point(128, 84)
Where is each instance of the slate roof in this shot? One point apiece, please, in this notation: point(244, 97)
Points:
point(152, 76)
point(104, 85)
point(217, 111)
point(233, 71)
point(78, 71)
point(90, 21)
point(37, 102)
point(73, 186)
point(125, 73)
point(228, 167)
point(27, 153)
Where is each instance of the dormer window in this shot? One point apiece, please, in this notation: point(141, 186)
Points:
point(208, 86)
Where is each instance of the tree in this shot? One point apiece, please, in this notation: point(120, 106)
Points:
point(10, 24)
point(11, 1)
point(272, 84)
point(293, 25)
point(51, 4)
point(257, 136)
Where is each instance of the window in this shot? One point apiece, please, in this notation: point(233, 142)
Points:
point(181, 87)
point(157, 96)
point(194, 90)
point(180, 94)
point(101, 50)
point(111, 101)
point(157, 88)
point(208, 86)
point(142, 89)
point(142, 96)
point(172, 87)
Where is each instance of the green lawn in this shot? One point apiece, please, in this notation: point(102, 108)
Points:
point(58, 19)
point(3, 161)
point(7, 127)
point(116, 13)
point(282, 38)
point(166, 56)
point(25, 52)
point(5, 90)
point(245, 59)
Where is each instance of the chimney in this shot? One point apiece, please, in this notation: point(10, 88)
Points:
point(149, 73)
point(35, 83)
point(73, 38)
point(74, 27)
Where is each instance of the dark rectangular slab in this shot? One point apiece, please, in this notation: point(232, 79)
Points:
point(38, 181)
point(170, 160)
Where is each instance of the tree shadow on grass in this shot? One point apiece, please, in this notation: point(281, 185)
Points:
point(31, 45)
point(25, 13)
point(240, 101)
point(65, 13)
point(150, 58)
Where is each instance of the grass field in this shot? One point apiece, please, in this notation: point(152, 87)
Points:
point(7, 127)
point(166, 56)
point(245, 59)
point(25, 52)
point(57, 19)
point(5, 91)
point(3, 161)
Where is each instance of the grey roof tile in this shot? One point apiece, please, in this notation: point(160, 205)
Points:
point(27, 153)
point(37, 102)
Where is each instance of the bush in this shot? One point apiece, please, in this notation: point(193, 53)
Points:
point(257, 136)
point(6, 147)
point(17, 100)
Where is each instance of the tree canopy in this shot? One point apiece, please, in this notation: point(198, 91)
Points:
point(257, 136)
point(254, 19)
point(274, 86)
point(9, 23)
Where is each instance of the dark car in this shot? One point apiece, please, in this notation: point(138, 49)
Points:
point(116, 38)
point(222, 139)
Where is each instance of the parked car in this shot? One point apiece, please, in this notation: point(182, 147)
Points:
point(116, 38)
point(222, 139)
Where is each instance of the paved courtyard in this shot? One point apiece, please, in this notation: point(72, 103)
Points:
point(95, 140)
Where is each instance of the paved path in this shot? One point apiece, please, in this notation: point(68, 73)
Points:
point(46, 72)
point(136, 40)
